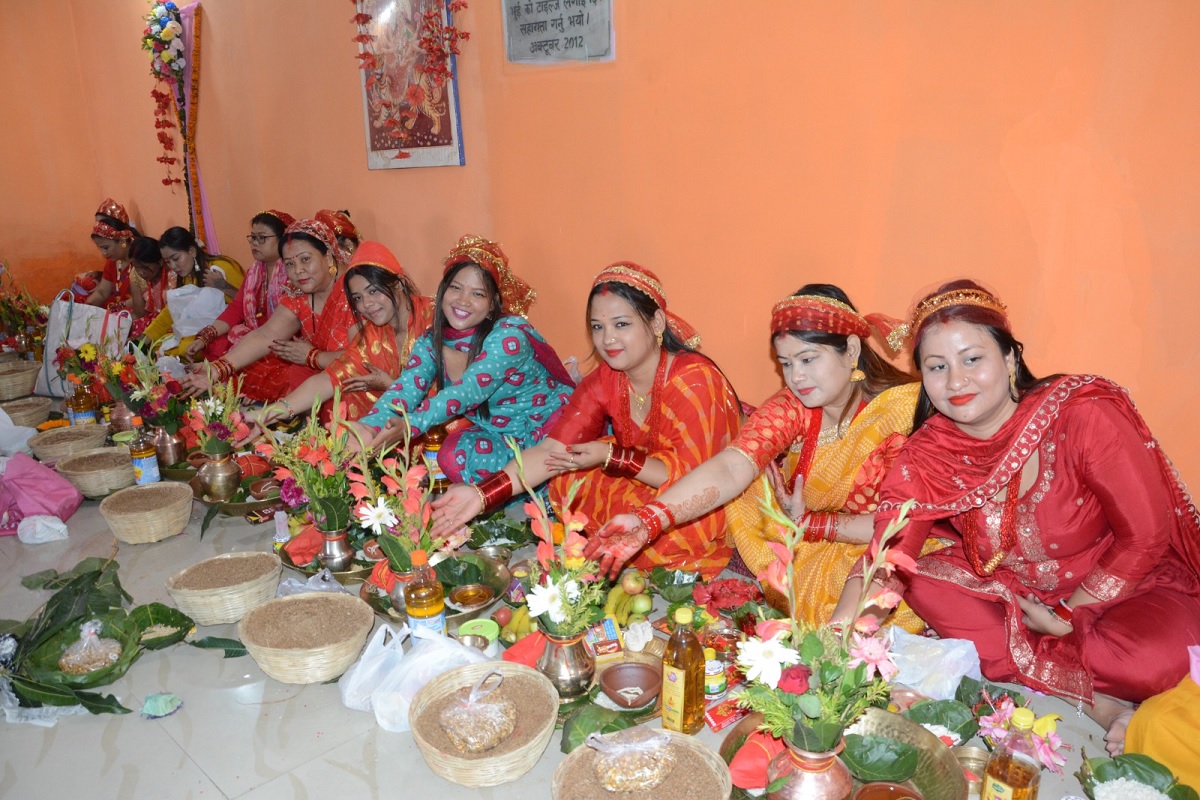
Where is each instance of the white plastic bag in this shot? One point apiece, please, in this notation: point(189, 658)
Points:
point(41, 528)
point(72, 324)
point(383, 655)
point(322, 581)
point(934, 667)
point(431, 655)
point(13, 438)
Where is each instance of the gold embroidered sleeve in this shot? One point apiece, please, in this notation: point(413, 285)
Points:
point(1103, 585)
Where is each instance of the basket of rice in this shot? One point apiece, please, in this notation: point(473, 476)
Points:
point(28, 412)
point(57, 443)
point(681, 767)
point(306, 638)
point(150, 513)
point(17, 379)
point(520, 747)
point(223, 589)
point(99, 472)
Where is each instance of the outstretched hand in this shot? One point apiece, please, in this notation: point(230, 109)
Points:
point(458, 506)
point(622, 538)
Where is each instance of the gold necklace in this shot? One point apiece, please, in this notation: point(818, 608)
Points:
point(830, 435)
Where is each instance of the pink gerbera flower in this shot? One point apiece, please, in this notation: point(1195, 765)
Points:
point(873, 652)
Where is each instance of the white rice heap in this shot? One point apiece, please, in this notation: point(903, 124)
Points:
point(1125, 789)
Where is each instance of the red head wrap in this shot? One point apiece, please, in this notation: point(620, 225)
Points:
point(339, 223)
point(322, 232)
point(646, 282)
point(282, 216)
point(376, 255)
point(111, 208)
point(811, 312)
point(106, 231)
point(516, 296)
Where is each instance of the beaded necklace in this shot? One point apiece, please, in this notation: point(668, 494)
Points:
point(627, 430)
point(1008, 530)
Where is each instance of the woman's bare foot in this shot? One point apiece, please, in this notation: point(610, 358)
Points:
point(1114, 739)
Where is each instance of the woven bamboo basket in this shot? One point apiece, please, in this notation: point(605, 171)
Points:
point(58, 443)
point(478, 772)
point(164, 511)
point(97, 483)
point(28, 412)
point(720, 771)
point(8, 355)
point(310, 664)
point(17, 379)
point(226, 603)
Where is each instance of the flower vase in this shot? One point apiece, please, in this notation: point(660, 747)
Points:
point(219, 477)
point(568, 664)
point(336, 554)
point(396, 595)
point(810, 776)
point(121, 418)
point(171, 447)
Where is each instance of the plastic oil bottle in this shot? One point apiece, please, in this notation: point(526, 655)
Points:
point(1013, 772)
point(424, 599)
point(81, 406)
point(683, 678)
point(144, 454)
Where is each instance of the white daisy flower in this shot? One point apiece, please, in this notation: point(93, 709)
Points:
point(377, 517)
point(547, 599)
point(764, 661)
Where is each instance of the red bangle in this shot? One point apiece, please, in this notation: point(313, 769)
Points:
point(311, 360)
point(624, 462)
point(208, 334)
point(666, 512)
point(649, 518)
point(223, 369)
point(1063, 611)
point(821, 526)
point(496, 489)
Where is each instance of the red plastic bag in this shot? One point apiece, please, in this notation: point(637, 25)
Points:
point(28, 488)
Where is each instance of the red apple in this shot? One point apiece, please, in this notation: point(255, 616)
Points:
point(633, 582)
point(502, 616)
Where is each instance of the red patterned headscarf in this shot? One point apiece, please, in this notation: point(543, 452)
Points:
point(322, 232)
point(646, 282)
point(984, 308)
point(339, 223)
point(284, 217)
point(111, 208)
point(106, 231)
point(812, 312)
point(516, 296)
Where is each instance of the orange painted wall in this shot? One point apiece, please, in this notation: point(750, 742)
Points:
point(1049, 149)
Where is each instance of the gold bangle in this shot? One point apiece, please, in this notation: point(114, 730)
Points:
point(607, 458)
point(482, 497)
point(288, 406)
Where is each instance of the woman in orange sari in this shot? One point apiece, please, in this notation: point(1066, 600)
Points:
point(669, 408)
point(393, 313)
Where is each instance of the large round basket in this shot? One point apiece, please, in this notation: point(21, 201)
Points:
point(57, 443)
point(477, 772)
point(226, 603)
point(98, 477)
point(720, 771)
point(150, 513)
point(28, 412)
point(301, 664)
point(17, 379)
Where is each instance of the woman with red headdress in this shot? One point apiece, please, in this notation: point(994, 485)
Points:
point(484, 361)
point(310, 328)
point(826, 441)
point(392, 312)
point(264, 286)
point(1076, 564)
point(113, 236)
point(669, 408)
point(339, 222)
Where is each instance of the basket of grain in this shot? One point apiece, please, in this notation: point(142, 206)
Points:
point(223, 589)
point(99, 472)
point(56, 443)
point(28, 412)
point(529, 690)
point(149, 513)
point(17, 379)
point(306, 638)
point(697, 772)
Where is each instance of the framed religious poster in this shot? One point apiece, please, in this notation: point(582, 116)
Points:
point(409, 83)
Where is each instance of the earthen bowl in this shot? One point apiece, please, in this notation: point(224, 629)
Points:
point(621, 682)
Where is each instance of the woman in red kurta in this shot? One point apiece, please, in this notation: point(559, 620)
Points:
point(1077, 571)
point(669, 408)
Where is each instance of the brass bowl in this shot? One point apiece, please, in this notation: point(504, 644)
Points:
point(973, 761)
point(471, 597)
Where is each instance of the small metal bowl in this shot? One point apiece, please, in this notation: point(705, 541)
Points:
point(472, 640)
point(973, 761)
point(472, 596)
point(497, 551)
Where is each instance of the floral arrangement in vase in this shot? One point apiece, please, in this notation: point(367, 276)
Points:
point(312, 467)
point(77, 365)
point(155, 396)
point(217, 420)
point(19, 310)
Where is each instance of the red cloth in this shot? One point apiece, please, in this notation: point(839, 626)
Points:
point(527, 651)
point(328, 330)
point(748, 767)
point(304, 546)
point(382, 576)
point(1106, 513)
point(117, 273)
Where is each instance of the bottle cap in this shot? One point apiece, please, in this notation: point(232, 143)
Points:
point(136, 421)
point(710, 654)
point(1022, 719)
point(420, 558)
point(683, 616)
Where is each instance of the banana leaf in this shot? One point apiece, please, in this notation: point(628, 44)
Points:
point(160, 625)
point(232, 647)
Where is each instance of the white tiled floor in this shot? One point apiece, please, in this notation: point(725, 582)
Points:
point(239, 733)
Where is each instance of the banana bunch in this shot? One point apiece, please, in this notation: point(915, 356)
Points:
point(520, 626)
point(620, 605)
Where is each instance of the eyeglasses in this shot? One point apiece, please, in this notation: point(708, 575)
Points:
point(257, 238)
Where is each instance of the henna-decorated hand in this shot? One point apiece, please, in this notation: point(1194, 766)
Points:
point(617, 542)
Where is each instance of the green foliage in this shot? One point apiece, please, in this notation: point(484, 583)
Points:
point(1134, 767)
point(950, 714)
point(500, 529)
point(330, 513)
point(232, 647)
point(399, 557)
point(213, 510)
point(971, 692)
point(588, 720)
point(674, 586)
point(878, 758)
point(460, 571)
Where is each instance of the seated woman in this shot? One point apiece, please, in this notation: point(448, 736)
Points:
point(265, 284)
point(392, 313)
point(317, 313)
point(339, 222)
point(826, 441)
point(112, 236)
point(484, 361)
point(156, 280)
point(1077, 567)
point(193, 266)
point(668, 407)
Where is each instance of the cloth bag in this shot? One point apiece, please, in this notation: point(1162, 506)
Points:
point(73, 324)
point(29, 489)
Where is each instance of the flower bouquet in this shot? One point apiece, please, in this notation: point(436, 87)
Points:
point(77, 365)
point(155, 396)
point(217, 420)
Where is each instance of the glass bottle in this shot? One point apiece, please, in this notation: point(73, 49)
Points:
point(1013, 771)
point(430, 447)
point(424, 600)
point(683, 678)
point(81, 406)
point(715, 681)
point(144, 454)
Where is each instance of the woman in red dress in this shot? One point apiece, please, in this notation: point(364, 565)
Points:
point(668, 407)
point(1076, 570)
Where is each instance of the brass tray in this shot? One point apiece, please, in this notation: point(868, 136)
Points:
point(230, 509)
point(496, 577)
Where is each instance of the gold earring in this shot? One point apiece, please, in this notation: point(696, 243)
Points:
point(659, 338)
point(332, 270)
point(857, 375)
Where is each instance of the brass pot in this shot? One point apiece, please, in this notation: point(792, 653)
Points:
point(171, 447)
point(121, 418)
point(219, 477)
point(568, 664)
point(810, 776)
point(336, 554)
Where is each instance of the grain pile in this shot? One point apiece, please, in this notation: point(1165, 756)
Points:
point(220, 572)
